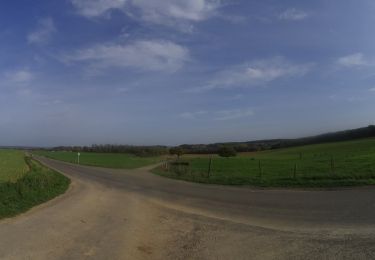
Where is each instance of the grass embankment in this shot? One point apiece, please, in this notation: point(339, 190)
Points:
point(38, 185)
point(109, 160)
point(323, 165)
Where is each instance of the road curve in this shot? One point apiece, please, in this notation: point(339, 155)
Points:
point(133, 214)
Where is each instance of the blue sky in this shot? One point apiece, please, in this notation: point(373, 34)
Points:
point(183, 71)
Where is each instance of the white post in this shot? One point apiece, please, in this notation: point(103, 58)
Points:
point(78, 157)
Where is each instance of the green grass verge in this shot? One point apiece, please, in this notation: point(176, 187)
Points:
point(324, 165)
point(12, 165)
point(108, 160)
point(39, 185)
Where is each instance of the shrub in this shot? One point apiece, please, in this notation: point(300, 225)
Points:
point(227, 151)
point(176, 151)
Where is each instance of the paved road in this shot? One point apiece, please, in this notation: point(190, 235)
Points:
point(132, 214)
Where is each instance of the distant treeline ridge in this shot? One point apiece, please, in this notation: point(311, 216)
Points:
point(250, 146)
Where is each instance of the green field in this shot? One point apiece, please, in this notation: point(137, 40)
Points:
point(12, 165)
point(331, 164)
point(21, 190)
point(110, 160)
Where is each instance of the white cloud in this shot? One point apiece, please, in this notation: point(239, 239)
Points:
point(233, 114)
point(163, 10)
point(93, 8)
point(372, 89)
point(153, 55)
point(18, 77)
point(166, 12)
point(255, 73)
point(293, 14)
point(43, 31)
point(353, 60)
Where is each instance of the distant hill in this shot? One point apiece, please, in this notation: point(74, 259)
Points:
point(249, 146)
point(260, 145)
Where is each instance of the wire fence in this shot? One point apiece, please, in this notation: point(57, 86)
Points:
point(302, 168)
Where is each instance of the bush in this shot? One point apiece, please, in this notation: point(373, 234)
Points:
point(227, 151)
point(176, 151)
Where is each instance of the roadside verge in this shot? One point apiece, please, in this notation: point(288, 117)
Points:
point(39, 185)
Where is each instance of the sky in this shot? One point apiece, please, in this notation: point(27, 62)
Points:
point(142, 72)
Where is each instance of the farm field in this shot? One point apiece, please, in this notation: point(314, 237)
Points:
point(109, 160)
point(12, 165)
point(331, 164)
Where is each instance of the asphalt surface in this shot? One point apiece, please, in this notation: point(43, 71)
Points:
point(133, 214)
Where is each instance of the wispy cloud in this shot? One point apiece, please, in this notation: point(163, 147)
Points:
point(17, 81)
point(293, 14)
point(161, 11)
point(220, 115)
point(43, 31)
point(122, 90)
point(94, 8)
point(165, 12)
point(192, 115)
point(49, 102)
point(236, 97)
point(233, 114)
point(255, 73)
point(353, 60)
point(152, 55)
point(372, 89)
point(346, 98)
point(26, 92)
point(18, 77)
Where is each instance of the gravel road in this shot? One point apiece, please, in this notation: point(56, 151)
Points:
point(133, 214)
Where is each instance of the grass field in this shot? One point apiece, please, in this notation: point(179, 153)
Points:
point(333, 164)
point(110, 160)
point(12, 165)
point(38, 185)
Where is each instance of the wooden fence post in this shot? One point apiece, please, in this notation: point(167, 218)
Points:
point(332, 165)
point(209, 167)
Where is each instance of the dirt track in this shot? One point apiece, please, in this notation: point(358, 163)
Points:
point(123, 214)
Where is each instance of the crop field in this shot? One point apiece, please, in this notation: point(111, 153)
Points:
point(110, 160)
point(331, 164)
point(12, 165)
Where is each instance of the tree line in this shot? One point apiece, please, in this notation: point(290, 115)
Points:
point(142, 151)
point(224, 148)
